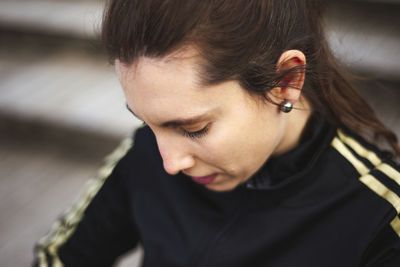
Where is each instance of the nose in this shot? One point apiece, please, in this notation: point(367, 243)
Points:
point(175, 155)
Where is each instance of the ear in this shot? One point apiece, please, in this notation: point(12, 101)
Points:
point(293, 82)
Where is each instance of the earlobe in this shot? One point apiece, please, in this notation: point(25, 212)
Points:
point(286, 106)
point(291, 62)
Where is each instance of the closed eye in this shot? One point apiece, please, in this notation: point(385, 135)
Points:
point(196, 134)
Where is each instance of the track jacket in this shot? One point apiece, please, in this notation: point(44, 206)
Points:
point(333, 201)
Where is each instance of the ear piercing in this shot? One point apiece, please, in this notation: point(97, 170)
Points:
point(286, 106)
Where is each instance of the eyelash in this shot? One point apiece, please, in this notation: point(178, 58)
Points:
point(194, 135)
point(197, 134)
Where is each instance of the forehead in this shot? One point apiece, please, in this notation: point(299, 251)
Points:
point(185, 59)
point(159, 89)
point(183, 64)
point(149, 77)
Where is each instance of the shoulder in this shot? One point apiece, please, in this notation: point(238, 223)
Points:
point(373, 170)
point(142, 155)
point(144, 143)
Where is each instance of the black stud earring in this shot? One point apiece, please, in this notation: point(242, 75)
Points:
point(286, 106)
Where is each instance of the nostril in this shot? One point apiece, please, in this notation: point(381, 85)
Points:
point(170, 162)
point(174, 165)
point(170, 168)
point(174, 155)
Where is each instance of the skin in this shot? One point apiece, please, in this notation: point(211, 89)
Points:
point(215, 130)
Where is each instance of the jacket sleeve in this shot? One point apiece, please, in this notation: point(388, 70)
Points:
point(99, 227)
point(384, 251)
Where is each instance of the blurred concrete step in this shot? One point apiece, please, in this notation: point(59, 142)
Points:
point(384, 98)
point(60, 89)
point(77, 19)
point(50, 80)
point(37, 184)
point(365, 36)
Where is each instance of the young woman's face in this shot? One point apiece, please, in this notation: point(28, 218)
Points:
point(219, 136)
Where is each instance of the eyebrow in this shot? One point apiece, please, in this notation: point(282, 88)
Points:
point(180, 121)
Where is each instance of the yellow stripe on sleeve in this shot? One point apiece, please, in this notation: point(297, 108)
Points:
point(342, 149)
point(396, 225)
point(359, 149)
point(371, 156)
point(380, 189)
point(390, 172)
point(370, 181)
point(64, 227)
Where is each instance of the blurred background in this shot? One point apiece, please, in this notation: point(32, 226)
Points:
point(62, 110)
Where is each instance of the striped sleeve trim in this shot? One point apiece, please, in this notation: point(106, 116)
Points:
point(64, 227)
point(341, 144)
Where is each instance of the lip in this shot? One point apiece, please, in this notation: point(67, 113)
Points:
point(204, 180)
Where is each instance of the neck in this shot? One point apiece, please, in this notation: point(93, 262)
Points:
point(293, 127)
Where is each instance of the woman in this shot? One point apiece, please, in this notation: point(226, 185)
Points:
point(252, 154)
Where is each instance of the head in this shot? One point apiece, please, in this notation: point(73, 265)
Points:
point(207, 77)
point(219, 135)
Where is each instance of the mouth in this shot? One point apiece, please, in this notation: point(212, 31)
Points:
point(204, 180)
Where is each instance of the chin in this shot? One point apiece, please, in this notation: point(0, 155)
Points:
point(222, 187)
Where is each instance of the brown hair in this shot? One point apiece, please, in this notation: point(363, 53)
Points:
point(242, 40)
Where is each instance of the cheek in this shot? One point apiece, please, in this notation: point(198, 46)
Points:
point(270, 126)
point(224, 149)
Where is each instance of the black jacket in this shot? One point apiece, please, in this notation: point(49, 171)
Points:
point(332, 201)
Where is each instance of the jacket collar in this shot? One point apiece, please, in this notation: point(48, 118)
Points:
point(281, 171)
